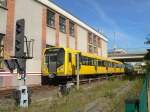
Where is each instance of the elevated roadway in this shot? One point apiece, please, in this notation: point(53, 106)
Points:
point(128, 57)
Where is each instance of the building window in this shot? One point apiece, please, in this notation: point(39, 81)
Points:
point(50, 19)
point(99, 42)
point(71, 27)
point(62, 24)
point(3, 3)
point(90, 48)
point(95, 50)
point(92, 43)
point(1, 52)
point(90, 38)
point(95, 40)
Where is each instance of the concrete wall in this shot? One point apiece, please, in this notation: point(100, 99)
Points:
point(104, 48)
point(72, 42)
point(50, 36)
point(32, 12)
point(62, 39)
point(99, 51)
point(3, 20)
point(82, 35)
point(33, 30)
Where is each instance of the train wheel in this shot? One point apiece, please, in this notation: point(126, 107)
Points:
point(44, 80)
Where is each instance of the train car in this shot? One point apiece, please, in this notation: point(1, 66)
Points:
point(129, 69)
point(60, 63)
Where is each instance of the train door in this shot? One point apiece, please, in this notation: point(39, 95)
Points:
point(73, 64)
point(70, 63)
point(96, 65)
point(77, 62)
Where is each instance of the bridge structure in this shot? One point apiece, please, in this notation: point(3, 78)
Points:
point(128, 57)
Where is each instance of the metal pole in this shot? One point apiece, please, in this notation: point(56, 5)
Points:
point(78, 68)
point(25, 72)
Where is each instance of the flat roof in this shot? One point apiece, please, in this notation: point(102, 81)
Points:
point(71, 17)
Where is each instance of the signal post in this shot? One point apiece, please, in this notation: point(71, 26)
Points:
point(22, 94)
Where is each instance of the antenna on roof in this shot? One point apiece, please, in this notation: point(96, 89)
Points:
point(100, 30)
point(114, 44)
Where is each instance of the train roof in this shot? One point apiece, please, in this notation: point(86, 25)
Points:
point(89, 55)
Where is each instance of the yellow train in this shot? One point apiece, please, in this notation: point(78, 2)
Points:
point(61, 63)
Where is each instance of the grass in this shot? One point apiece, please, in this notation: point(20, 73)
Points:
point(107, 96)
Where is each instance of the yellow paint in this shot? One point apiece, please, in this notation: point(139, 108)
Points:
point(69, 68)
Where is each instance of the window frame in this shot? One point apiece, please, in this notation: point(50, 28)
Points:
point(62, 24)
point(50, 18)
point(90, 48)
point(90, 38)
point(71, 28)
point(94, 40)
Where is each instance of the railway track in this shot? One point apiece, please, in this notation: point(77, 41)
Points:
point(89, 80)
point(8, 93)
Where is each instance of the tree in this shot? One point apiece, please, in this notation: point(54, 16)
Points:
point(147, 56)
point(148, 39)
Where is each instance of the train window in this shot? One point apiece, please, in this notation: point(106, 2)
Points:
point(110, 64)
point(99, 63)
point(47, 59)
point(53, 58)
point(89, 61)
point(117, 65)
point(114, 65)
point(84, 60)
point(95, 62)
point(60, 58)
point(105, 63)
point(69, 57)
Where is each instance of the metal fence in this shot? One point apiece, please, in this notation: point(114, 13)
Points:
point(141, 103)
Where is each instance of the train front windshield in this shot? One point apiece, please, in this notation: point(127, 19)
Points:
point(54, 58)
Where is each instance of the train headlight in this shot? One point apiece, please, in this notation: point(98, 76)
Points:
point(61, 68)
point(51, 75)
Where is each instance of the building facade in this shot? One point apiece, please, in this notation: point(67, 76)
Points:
point(49, 25)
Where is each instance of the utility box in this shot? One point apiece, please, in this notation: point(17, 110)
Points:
point(22, 96)
point(131, 105)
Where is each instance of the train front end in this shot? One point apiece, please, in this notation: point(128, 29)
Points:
point(53, 62)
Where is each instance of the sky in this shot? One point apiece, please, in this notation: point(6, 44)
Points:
point(126, 23)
